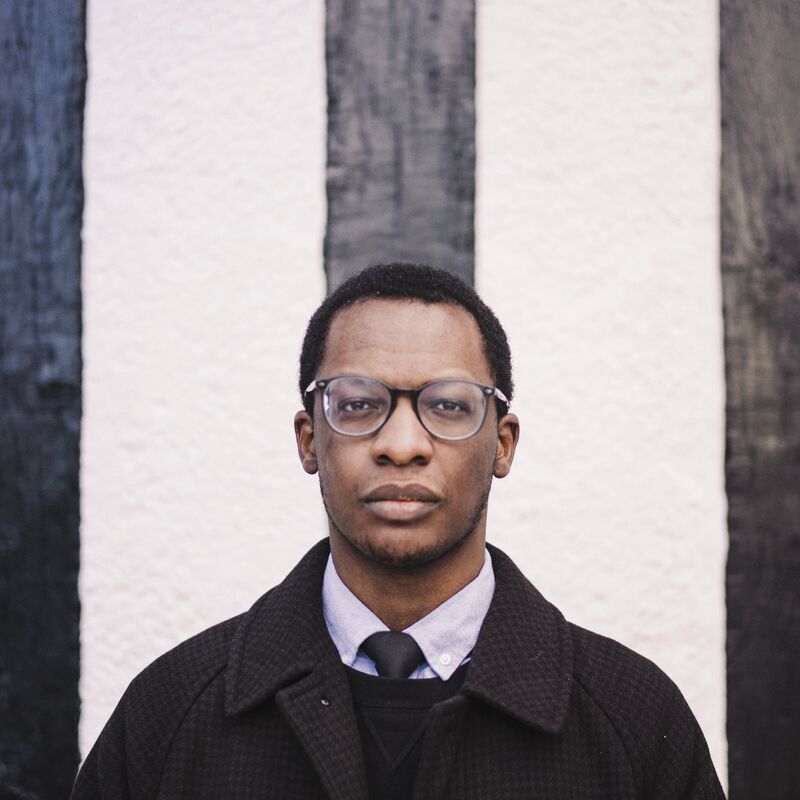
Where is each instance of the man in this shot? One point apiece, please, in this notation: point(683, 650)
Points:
point(401, 657)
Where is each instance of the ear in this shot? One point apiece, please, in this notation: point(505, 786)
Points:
point(304, 434)
point(507, 438)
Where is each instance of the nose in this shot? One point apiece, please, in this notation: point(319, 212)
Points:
point(402, 439)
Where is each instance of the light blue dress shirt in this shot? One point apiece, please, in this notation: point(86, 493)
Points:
point(446, 636)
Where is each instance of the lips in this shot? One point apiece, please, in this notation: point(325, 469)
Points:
point(402, 491)
point(396, 502)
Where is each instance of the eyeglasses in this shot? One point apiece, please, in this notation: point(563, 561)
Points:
point(448, 409)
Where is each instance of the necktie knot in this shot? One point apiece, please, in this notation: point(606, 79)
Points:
point(395, 654)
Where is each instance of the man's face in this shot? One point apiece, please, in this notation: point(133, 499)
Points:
point(400, 496)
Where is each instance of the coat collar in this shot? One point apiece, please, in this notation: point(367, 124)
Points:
point(521, 665)
point(522, 662)
point(282, 638)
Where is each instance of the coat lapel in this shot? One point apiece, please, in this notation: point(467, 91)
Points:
point(521, 666)
point(319, 709)
point(522, 662)
point(282, 650)
point(442, 737)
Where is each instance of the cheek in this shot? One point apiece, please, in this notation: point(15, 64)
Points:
point(475, 466)
point(338, 471)
point(485, 454)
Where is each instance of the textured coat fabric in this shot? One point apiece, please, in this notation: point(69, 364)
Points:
point(259, 707)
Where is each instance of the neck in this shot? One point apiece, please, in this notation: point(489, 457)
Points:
point(401, 595)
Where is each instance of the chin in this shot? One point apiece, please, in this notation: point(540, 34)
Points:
point(403, 549)
point(396, 554)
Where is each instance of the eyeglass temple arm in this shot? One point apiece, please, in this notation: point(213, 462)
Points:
point(500, 396)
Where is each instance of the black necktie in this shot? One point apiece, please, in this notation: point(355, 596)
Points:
point(395, 654)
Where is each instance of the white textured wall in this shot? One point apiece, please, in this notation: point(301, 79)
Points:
point(598, 148)
point(204, 168)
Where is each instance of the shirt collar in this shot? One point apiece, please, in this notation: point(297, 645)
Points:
point(349, 621)
point(446, 635)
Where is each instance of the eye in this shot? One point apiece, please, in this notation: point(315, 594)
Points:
point(449, 406)
point(355, 404)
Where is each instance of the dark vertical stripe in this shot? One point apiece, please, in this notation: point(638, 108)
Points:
point(42, 69)
point(760, 193)
point(401, 134)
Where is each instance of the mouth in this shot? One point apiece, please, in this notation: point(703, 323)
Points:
point(401, 502)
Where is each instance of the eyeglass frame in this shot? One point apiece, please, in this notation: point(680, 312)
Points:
point(395, 392)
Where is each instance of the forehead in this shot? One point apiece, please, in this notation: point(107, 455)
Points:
point(405, 342)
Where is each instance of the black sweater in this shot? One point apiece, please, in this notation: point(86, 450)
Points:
point(392, 714)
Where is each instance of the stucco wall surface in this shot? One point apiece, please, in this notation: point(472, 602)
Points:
point(204, 177)
point(597, 244)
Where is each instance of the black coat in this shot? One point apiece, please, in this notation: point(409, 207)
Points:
point(259, 707)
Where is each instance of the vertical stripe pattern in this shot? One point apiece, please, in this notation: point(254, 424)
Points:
point(204, 169)
point(760, 79)
point(401, 135)
point(597, 244)
point(42, 64)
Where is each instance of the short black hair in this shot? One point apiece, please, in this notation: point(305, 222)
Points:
point(409, 282)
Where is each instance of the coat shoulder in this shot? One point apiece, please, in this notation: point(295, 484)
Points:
point(621, 681)
point(177, 676)
point(648, 712)
point(129, 756)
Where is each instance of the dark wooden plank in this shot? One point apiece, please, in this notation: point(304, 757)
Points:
point(401, 134)
point(42, 64)
point(760, 80)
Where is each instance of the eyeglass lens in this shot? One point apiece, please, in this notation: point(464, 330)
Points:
point(448, 409)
